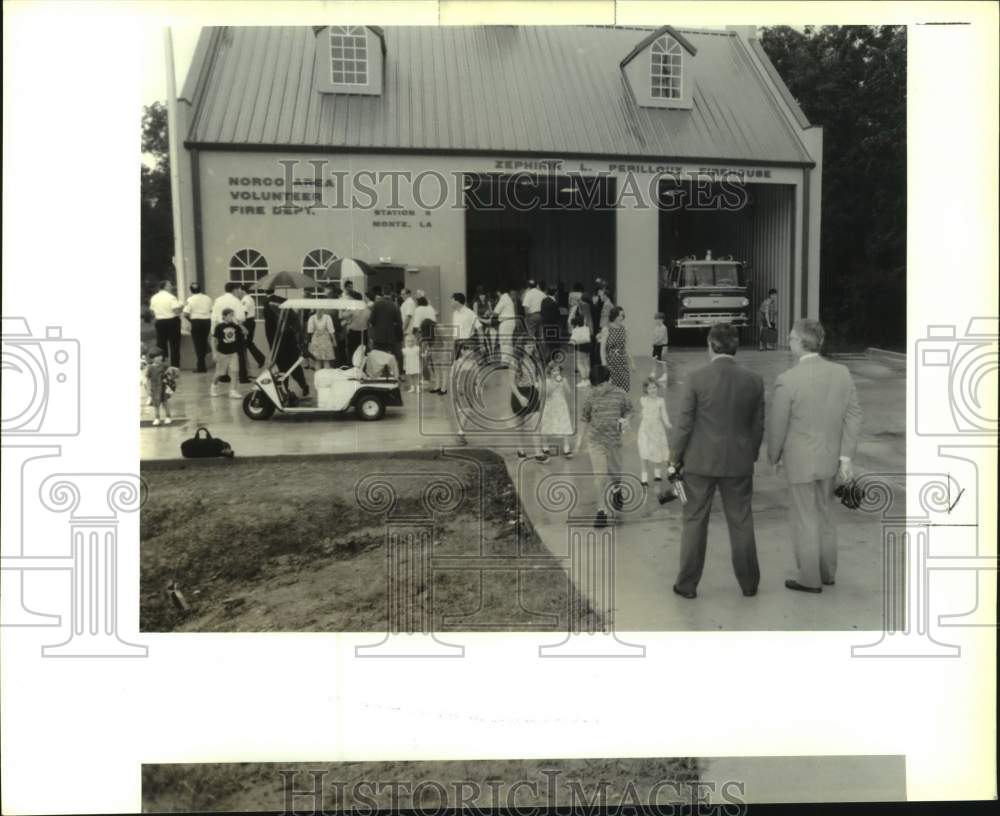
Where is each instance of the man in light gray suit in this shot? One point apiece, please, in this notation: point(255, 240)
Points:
point(812, 431)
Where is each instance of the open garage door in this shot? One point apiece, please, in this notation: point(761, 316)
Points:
point(552, 229)
point(758, 229)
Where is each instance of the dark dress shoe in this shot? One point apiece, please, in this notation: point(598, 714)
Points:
point(829, 583)
point(790, 584)
point(689, 595)
point(750, 593)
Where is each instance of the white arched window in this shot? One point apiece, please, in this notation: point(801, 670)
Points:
point(247, 266)
point(348, 55)
point(314, 265)
point(665, 71)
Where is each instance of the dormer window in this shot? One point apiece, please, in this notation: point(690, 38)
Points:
point(660, 73)
point(666, 69)
point(348, 55)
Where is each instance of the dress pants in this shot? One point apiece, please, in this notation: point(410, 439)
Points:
point(814, 536)
point(505, 335)
point(736, 492)
point(250, 324)
point(199, 336)
point(168, 338)
point(533, 324)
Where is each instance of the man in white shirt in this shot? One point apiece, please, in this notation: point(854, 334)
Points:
point(198, 311)
point(407, 309)
point(506, 313)
point(464, 319)
point(532, 303)
point(166, 310)
point(249, 324)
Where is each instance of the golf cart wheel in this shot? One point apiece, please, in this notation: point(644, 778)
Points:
point(258, 406)
point(370, 408)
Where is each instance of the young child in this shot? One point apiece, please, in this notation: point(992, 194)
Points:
point(652, 436)
point(660, 341)
point(556, 422)
point(227, 343)
point(158, 377)
point(144, 379)
point(606, 413)
point(411, 362)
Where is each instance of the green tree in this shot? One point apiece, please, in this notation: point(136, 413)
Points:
point(157, 229)
point(851, 80)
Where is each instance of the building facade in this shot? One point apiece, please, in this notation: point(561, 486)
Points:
point(455, 158)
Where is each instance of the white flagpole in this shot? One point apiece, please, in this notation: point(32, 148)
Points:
point(173, 138)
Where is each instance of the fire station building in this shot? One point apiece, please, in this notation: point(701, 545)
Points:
point(459, 157)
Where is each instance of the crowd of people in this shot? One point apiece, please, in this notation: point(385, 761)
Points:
point(711, 445)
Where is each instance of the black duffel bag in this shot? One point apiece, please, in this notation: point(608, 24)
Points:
point(204, 447)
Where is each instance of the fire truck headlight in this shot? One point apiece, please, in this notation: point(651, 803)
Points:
point(686, 302)
point(745, 302)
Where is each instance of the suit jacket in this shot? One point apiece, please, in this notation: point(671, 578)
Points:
point(720, 425)
point(814, 419)
point(385, 325)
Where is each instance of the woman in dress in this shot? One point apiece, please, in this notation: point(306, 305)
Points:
point(614, 350)
point(487, 321)
point(581, 337)
point(525, 403)
point(652, 436)
point(322, 341)
point(557, 425)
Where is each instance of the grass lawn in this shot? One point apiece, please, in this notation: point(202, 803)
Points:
point(487, 784)
point(282, 544)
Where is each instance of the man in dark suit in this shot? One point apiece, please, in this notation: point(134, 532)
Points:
point(385, 328)
point(717, 435)
point(812, 432)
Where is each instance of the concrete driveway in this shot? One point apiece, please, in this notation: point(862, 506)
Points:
point(646, 543)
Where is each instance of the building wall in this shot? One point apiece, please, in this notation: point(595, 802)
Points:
point(241, 199)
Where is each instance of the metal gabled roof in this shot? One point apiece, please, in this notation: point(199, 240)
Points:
point(554, 90)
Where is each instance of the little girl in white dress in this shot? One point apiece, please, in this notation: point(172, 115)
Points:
point(557, 425)
point(652, 436)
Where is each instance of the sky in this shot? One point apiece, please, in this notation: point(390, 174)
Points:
point(154, 87)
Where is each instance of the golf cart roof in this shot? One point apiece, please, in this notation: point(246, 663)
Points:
point(323, 303)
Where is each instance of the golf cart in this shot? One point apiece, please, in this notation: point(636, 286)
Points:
point(337, 389)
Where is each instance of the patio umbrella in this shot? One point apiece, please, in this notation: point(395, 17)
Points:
point(285, 280)
point(341, 268)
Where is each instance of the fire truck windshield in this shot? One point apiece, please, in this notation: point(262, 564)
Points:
point(711, 275)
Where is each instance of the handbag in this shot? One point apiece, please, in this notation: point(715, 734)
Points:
point(205, 447)
point(580, 335)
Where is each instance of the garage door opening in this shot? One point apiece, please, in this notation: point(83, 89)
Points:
point(552, 229)
point(755, 226)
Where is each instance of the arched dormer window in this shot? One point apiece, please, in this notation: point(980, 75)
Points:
point(666, 69)
point(348, 55)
